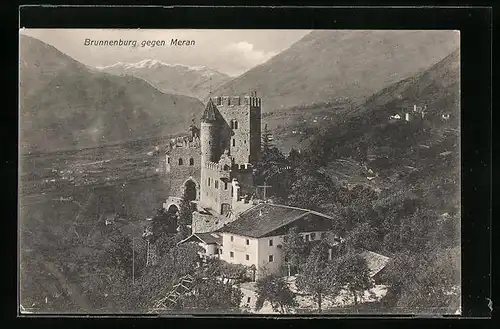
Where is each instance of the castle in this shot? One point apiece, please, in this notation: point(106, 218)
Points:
point(213, 165)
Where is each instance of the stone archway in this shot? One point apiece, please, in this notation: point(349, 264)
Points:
point(191, 188)
point(173, 209)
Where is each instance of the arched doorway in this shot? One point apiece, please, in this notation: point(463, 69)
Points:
point(190, 190)
point(173, 210)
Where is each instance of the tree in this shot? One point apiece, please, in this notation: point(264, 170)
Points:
point(276, 291)
point(316, 275)
point(362, 236)
point(266, 137)
point(353, 274)
point(294, 158)
point(185, 210)
point(312, 190)
point(212, 294)
point(294, 250)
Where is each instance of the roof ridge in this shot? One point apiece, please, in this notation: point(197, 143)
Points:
point(248, 209)
point(303, 209)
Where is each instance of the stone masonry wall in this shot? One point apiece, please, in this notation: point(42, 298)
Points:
point(177, 174)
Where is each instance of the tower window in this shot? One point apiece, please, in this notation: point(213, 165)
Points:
point(168, 160)
point(248, 242)
point(216, 184)
point(208, 181)
point(235, 124)
point(225, 185)
point(234, 142)
point(191, 162)
point(180, 162)
point(271, 258)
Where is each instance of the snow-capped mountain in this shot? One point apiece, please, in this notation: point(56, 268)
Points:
point(195, 81)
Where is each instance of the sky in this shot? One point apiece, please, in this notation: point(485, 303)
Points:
point(228, 51)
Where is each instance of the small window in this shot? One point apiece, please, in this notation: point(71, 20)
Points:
point(216, 184)
point(232, 238)
point(235, 124)
point(231, 254)
point(168, 160)
point(271, 243)
point(216, 251)
point(208, 181)
point(191, 162)
point(234, 142)
point(248, 300)
point(248, 242)
point(247, 257)
point(313, 236)
point(180, 161)
point(271, 258)
point(225, 185)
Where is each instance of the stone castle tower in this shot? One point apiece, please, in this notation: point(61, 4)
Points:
point(217, 160)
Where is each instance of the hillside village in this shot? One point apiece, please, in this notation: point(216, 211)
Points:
point(232, 204)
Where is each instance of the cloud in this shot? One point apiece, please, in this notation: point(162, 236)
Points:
point(246, 52)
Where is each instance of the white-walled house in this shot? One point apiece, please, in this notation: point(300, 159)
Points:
point(256, 237)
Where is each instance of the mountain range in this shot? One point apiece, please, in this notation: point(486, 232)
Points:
point(66, 105)
point(334, 65)
point(194, 81)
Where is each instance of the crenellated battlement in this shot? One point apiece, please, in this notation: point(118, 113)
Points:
point(183, 142)
point(212, 165)
point(243, 166)
point(253, 101)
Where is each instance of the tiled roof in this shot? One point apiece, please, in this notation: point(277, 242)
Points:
point(265, 218)
point(210, 238)
point(375, 262)
point(210, 113)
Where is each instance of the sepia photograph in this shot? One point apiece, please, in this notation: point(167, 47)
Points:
point(264, 172)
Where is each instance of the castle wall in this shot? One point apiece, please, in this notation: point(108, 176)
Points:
point(242, 116)
point(177, 173)
point(255, 133)
point(245, 179)
point(203, 223)
point(216, 187)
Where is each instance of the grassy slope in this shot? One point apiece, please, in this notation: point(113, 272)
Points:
point(408, 154)
point(325, 66)
point(66, 105)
